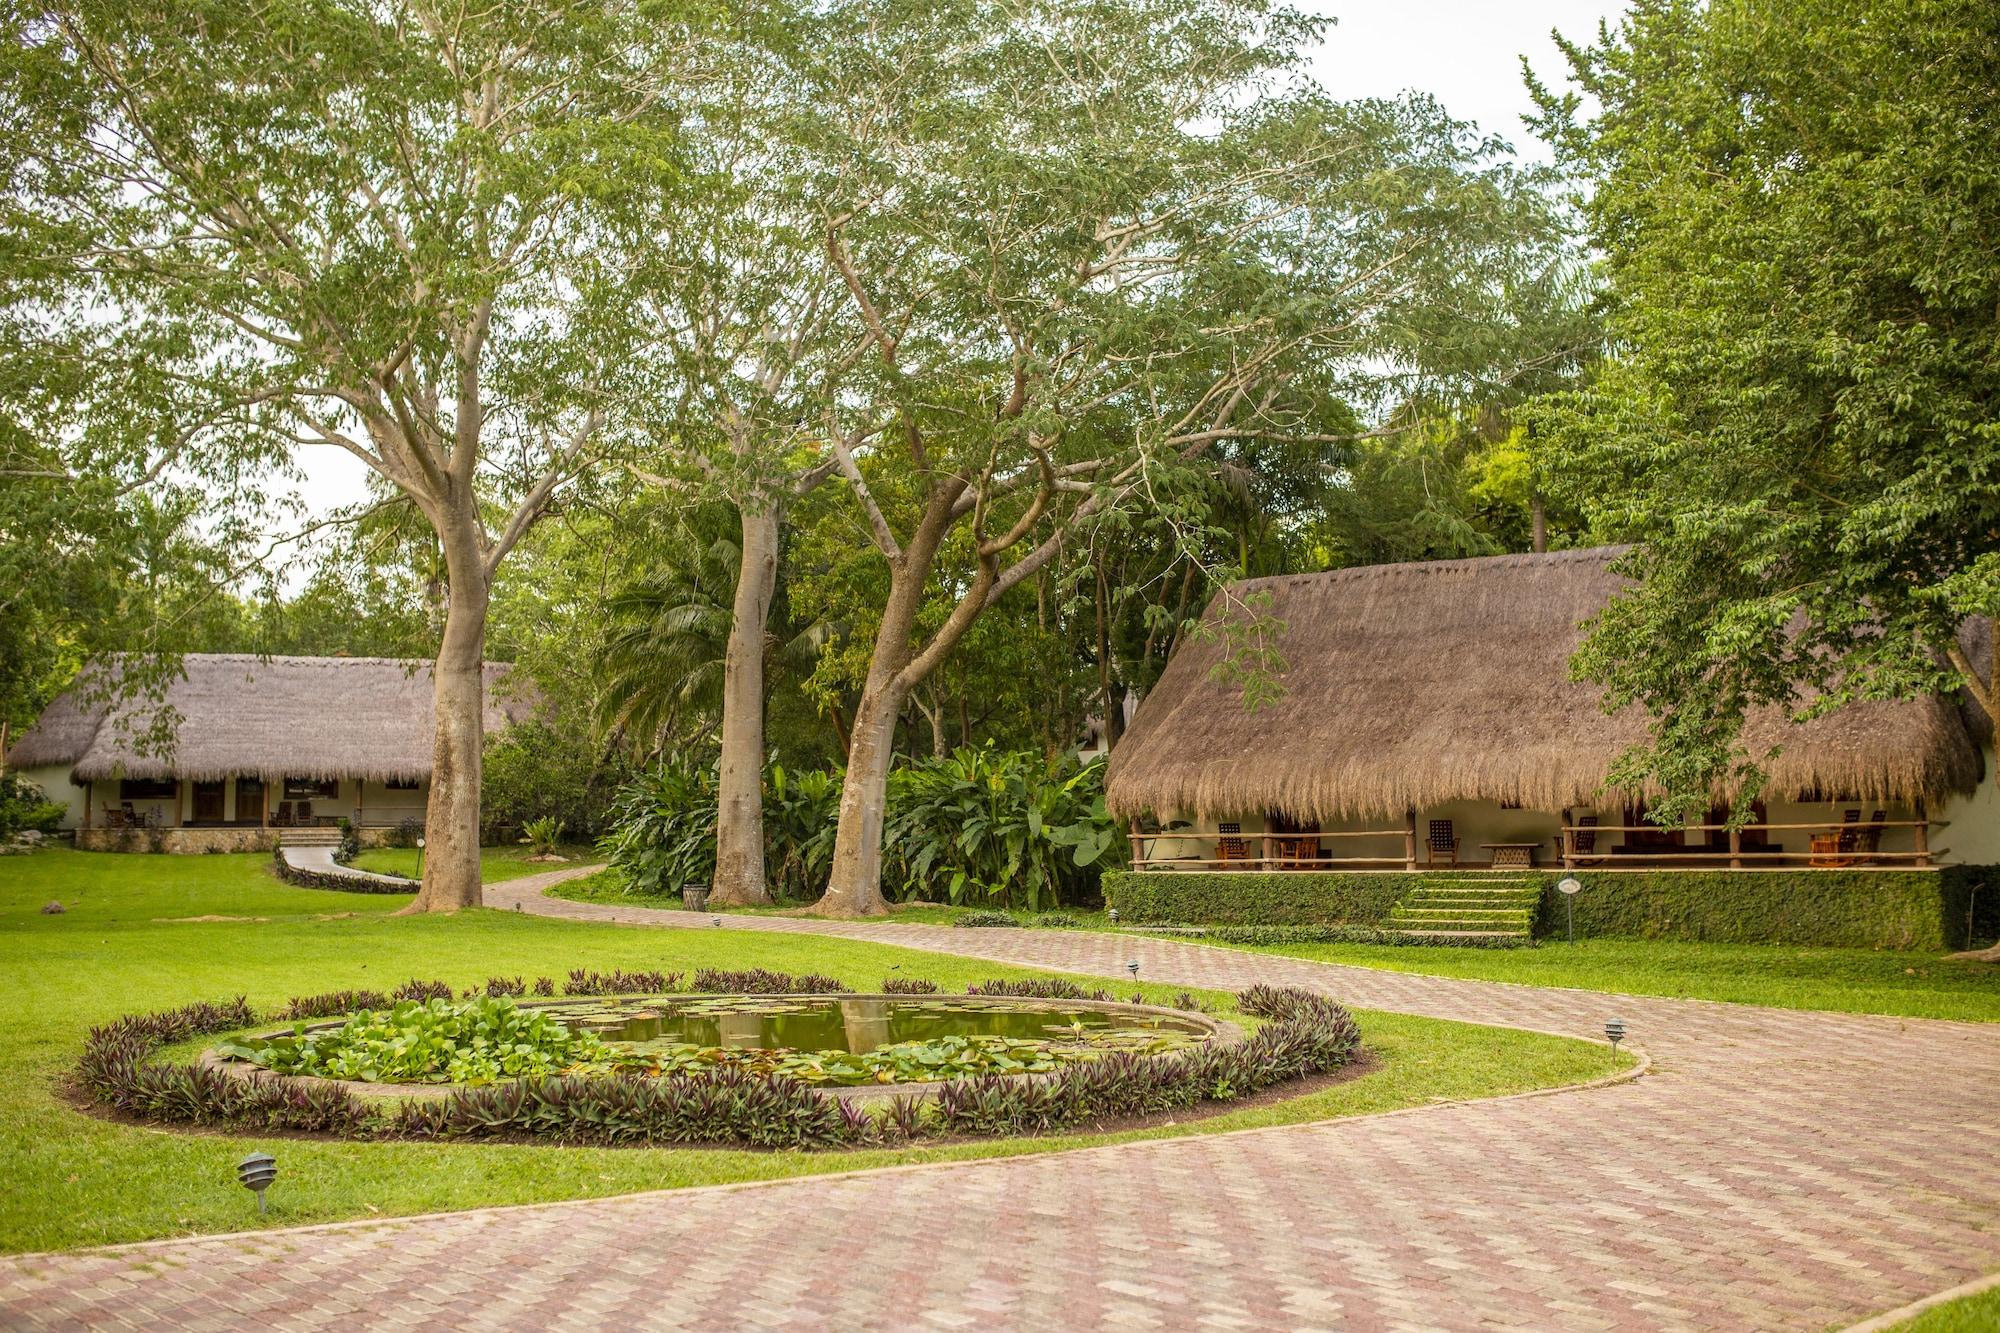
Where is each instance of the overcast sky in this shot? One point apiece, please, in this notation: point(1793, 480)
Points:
point(1466, 53)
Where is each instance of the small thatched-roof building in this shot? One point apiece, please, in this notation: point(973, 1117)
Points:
point(255, 741)
point(1432, 704)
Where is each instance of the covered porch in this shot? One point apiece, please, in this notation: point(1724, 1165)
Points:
point(250, 801)
point(1488, 836)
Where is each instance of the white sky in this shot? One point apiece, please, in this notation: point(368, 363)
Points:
point(1466, 53)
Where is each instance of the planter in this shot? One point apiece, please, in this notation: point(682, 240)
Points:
point(694, 897)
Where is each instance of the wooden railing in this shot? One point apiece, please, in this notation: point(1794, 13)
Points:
point(1276, 851)
point(1831, 845)
point(1303, 851)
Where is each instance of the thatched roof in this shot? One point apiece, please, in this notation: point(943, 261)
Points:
point(306, 717)
point(1414, 685)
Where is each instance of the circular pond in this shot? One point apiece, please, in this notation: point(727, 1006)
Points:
point(836, 1041)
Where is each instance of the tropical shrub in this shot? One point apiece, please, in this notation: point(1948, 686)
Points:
point(972, 920)
point(1000, 828)
point(615, 982)
point(541, 835)
point(538, 769)
point(24, 809)
point(982, 827)
point(1038, 988)
point(333, 1002)
point(908, 986)
point(760, 981)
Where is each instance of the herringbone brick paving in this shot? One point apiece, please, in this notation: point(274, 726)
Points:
point(1777, 1170)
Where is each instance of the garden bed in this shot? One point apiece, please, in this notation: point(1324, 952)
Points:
point(1304, 1036)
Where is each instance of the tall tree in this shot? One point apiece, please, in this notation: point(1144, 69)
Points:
point(1082, 243)
point(372, 225)
point(1796, 206)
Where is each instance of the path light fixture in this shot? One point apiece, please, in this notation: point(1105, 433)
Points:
point(1569, 886)
point(420, 874)
point(257, 1171)
point(1615, 1030)
point(715, 921)
point(1113, 914)
point(1133, 968)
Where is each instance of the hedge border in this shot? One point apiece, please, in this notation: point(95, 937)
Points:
point(320, 879)
point(1923, 910)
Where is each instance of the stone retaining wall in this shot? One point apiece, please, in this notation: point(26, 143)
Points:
point(195, 841)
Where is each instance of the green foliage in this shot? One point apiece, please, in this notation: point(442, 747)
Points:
point(1862, 909)
point(972, 920)
point(992, 827)
point(981, 826)
point(1267, 936)
point(1294, 898)
point(547, 770)
point(1795, 207)
point(23, 808)
point(541, 835)
point(438, 1041)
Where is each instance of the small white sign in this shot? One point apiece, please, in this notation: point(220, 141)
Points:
point(1569, 884)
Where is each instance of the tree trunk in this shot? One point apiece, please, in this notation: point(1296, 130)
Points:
point(451, 820)
point(739, 820)
point(1538, 523)
point(854, 886)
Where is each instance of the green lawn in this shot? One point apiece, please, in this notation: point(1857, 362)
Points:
point(148, 932)
point(1855, 981)
point(1862, 981)
point(495, 863)
point(1971, 1314)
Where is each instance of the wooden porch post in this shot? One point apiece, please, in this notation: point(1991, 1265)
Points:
point(360, 790)
point(89, 795)
point(180, 803)
point(1736, 849)
point(1922, 834)
point(1410, 840)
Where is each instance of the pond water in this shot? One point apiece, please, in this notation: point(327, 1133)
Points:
point(781, 1023)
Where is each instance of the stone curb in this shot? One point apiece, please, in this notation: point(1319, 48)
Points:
point(1903, 1314)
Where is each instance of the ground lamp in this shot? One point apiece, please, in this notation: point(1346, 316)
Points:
point(1615, 1030)
point(1569, 886)
point(1113, 914)
point(1133, 968)
point(715, 921)
point(420, 871)
point(257, 1171)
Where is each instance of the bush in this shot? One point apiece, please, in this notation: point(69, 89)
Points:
point(539, 769)
point(1057, 921)
point(972, 919)
point(617, 982)
point(24, 809)
point(1295, 898)
point(908, 986)
point(1274, 935)
point(435, 1041)
point(1038, 988)
point(321, 879)
point(1856, 909)
point(759, 981)
point(981, 826)
point(350, 842)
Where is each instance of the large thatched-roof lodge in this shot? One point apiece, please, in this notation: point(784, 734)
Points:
point(259, 743)
point(1427, 717)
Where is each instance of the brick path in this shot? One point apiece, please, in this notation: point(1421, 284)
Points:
point(1777, 1170)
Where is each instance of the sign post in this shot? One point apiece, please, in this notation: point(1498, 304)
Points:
point(1569, 886)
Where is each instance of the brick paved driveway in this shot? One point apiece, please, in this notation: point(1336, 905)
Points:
point(1777, 1170)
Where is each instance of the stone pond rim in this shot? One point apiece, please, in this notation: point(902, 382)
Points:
point(1217, 1030)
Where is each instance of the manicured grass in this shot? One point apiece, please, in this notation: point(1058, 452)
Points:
point(609, 886)
point(1972, 1314)
point(149, 932)
point(495, 863)
point(1855, 981)
point(1862, 981)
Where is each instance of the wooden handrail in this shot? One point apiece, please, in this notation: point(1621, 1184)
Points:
point(1833, 826)
point(1266, 837)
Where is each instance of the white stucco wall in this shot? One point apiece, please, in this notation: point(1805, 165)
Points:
point(1971, 832)
point(56, 786)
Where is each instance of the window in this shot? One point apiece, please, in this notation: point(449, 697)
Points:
point(306, 789)
point(400, 784)
point(148, 789)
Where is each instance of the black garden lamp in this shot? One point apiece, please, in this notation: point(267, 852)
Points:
point(1133, 968)
point(1615, 1030)
point(257, 1171)
point(1113, 914)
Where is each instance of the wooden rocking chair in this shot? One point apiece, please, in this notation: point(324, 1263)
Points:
point(1231, 848)
point(1443, 842)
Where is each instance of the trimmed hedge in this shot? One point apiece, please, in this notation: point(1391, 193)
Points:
point(1295, 898)
point(1859, 909)
point(320, 879)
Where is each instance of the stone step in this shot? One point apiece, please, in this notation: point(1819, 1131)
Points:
point(1461, 934)
point(1428, 913)
point(309, 837)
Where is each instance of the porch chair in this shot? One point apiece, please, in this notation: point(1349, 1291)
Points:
point(1443, 842)
point(304, 814)
point(1301, 852)
point(1868, 838)
point(1583, 842)
point(1228, 848)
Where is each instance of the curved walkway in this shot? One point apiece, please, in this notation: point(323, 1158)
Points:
point(319, 861)
point(1777, 1170)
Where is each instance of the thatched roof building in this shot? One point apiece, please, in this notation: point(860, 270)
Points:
point(1411, 686)
point(239, 714)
